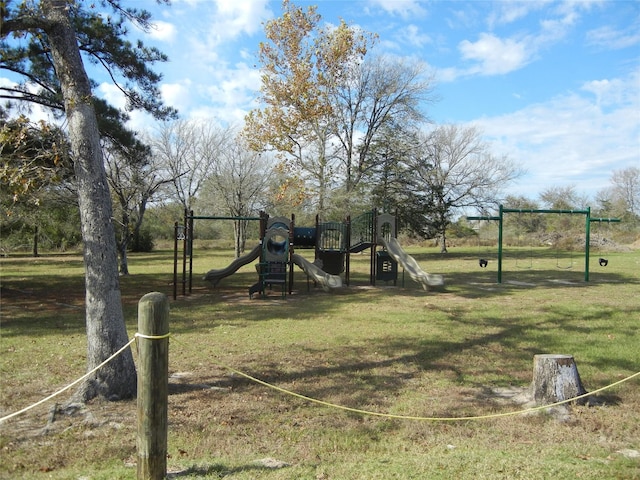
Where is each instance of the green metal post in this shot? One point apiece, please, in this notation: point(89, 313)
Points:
point(586, 245)
point(500, 246)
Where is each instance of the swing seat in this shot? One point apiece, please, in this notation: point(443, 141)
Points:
point(603, 262)
point(483, 262)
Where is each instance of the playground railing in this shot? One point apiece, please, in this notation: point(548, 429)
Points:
point(361, 230)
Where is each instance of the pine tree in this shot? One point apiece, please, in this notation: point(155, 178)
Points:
point(44, 42)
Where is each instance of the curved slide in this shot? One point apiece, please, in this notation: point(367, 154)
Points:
point(322, 278)
point(215, 276)
point(411, 266)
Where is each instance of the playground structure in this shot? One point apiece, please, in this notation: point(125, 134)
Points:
point(333, 244)
point(588, 220)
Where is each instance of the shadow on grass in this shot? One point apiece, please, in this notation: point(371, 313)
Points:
point(218, 470)
point(357, 375)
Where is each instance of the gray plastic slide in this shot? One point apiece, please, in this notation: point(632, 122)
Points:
point(215, 276)
point(411, 266)
point(322, 278)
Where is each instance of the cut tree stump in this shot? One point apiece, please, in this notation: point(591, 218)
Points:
point(555, 379)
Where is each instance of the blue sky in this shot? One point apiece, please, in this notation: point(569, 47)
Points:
point(554, 85)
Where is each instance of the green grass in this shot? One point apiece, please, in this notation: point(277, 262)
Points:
point(397, 350)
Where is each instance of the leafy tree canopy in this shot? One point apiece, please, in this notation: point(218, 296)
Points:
point(34, 154)
point(31, 157)
point(24, 50)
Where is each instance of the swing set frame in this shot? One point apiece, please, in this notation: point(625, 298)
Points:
point(588, 219)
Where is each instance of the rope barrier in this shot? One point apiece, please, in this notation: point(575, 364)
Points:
point(419, 418)
point(152, 337)
point(62, 390)
point(322, 402)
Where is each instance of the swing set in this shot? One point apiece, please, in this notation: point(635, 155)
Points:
point(603, 262)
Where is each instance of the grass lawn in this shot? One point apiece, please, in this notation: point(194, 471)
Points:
point(464, 351)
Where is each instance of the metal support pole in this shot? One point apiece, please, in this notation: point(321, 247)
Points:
point(176, 229)
point(190, 251)
point(586, 244)
point(500, 244)
point(184, 252)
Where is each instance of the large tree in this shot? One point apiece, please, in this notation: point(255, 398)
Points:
point(42, 41)
point(303, 64)
point(326, 102)
point(378, 96)
point(458, 170)
point(393, 183)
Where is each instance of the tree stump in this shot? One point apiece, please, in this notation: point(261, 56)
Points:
point(555, 379)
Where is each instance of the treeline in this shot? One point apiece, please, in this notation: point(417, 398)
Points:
point(339, 131)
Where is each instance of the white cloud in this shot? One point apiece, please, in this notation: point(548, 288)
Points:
point(495, 56)
point(177, 95)
point(5, 82)
point(403, 8)
point(221, 115)
point(112, 94)
point(610, 38)
point(562, 18)
point(34, 111)
point(507, 12)
point(236, 86)
point(570, 139)
point(412, 35)
point(162, 31)
point(138, 120)
point(226, 96)
point(235, 17)
point(445, 75)
point(214, 31)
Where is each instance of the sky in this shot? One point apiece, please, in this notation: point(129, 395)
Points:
point(553, 85)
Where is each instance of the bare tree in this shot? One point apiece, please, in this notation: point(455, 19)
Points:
point(458, 171)
point(239, 181)
point(377, 96)
point(622, 197)
point(189, 151)
point(627, 187)
point(562, 197)
point(135, 178)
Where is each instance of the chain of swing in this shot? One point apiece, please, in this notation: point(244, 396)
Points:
point(483, 260)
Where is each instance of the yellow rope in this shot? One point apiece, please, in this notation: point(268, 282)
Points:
point(86, 375)
point(321, 402)
point(410, 417)
point(152, 337)
point(62, 390)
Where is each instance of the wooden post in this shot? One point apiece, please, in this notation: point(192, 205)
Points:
point(555, 378)
point(153, 385)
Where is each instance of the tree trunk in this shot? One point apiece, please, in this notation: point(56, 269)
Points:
point(105, 325)
point(236, 237)
point(555, 378)
point(35, 241)
point(443, 243)
point(123, 244)
point(124, 262)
